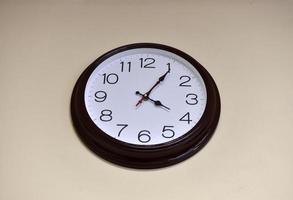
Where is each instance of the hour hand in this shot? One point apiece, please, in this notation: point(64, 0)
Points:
point(161, 78)
point(156, 102)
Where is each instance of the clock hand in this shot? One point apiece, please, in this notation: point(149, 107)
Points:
point(156, 102)
point(161, 78)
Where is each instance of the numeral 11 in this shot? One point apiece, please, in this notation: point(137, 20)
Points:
point(123, 65)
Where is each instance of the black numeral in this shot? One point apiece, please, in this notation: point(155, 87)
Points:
point(186, 79)
point(110, 78)
point(106, 115)
point(192, 100)
point(123, 65)
point(123, 127)
point(145, 63)
point(168, 132)
point(144, 136)
point(100, 96)
point(186, 118)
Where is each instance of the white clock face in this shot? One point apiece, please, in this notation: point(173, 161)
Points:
point(174, 96)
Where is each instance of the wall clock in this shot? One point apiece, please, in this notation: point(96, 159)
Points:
point(145, 105)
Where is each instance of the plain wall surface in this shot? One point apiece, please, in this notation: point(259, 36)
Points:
point(247, 46)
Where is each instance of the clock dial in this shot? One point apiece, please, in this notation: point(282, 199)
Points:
point(145, 105)
point(115, 103)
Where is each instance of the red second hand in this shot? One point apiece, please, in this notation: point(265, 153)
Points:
point(146, 94)
point(139, 102)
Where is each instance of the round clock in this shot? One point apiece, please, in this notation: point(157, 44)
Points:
point(145, 105)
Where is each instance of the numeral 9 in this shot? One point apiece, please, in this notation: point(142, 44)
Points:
point(100, 96)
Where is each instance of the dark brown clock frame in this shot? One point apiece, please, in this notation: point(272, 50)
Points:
point(145, 156)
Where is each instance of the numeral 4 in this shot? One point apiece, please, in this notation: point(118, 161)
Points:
point(186, 118)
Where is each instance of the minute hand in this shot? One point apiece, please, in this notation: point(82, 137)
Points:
point(160, 80)
point(148, 92)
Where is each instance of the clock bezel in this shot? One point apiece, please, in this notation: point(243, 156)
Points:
point(145, 156)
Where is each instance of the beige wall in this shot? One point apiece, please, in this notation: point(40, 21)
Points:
point(246, 45)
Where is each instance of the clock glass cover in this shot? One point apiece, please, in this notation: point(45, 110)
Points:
point(145, 98)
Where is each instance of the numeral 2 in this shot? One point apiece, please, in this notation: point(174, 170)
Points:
point(186, 79)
